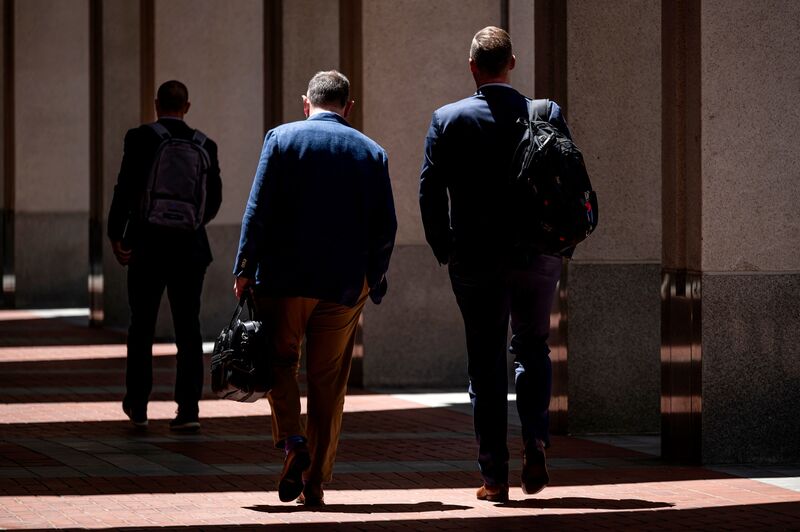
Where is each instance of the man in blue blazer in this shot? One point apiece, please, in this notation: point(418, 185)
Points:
point(317, 235)
point(468, 212)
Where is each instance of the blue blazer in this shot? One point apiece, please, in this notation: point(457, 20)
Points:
point(464, 194)
point(320, 218)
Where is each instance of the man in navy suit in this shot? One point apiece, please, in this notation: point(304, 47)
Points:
point(468, 212)
point(317, 235)
point(161, 258)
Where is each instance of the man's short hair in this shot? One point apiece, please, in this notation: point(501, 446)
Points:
point(491, 50)
point(329, 88)
point(172, 96)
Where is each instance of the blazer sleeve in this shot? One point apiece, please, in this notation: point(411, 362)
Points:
point(433, 199)
point(382, 231)
point(125, 191)
point(255, 222)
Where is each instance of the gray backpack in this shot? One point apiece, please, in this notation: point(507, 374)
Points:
point(175, 196)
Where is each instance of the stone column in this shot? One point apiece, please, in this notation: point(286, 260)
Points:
point(51, 85)
point(415, 60)
point(310, 44)
point(614, 112)
point(216, 48)
point(731, 277)
point(121, 110)
point(6, 150)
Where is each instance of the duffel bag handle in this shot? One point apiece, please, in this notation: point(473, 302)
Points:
point(246, 298)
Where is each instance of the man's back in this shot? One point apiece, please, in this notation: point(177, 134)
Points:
point(472, 155)
point(141, 145)
point(325, 194)
point(469, 151)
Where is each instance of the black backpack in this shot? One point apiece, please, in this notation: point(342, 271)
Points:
point(175, 195)
point(240, 369)
point(556, 206)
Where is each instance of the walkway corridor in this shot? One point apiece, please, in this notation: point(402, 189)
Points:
point(69, 459)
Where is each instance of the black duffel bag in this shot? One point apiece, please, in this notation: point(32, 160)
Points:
point(240, 369)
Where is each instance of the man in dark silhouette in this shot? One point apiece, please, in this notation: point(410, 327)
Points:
point(468, 212)
point(162, 257)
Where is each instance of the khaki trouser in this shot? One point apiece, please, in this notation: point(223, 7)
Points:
point(330, 330)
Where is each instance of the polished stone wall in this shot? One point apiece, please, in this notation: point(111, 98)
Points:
point(121, 111)
point(751, 263)
point(310, 44)
point(614, 112)
point(51, 85)
point(751, 375)
point(613, 357)
point(415, 60)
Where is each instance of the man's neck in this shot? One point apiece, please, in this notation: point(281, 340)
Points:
point(174, 116)
point(481, 81)
point(317, 110)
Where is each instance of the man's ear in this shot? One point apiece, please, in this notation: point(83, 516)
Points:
point(513, 62)
point(306, 106)
point(348, 108)
point(473, 67)
point(158, 107)
point(186, 107)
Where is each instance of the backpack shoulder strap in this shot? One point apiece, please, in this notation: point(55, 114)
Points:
point(199, 138)
point(160, 130)
point(539, 110)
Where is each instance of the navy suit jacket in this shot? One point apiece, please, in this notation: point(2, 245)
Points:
point(320, 218)
point(464, 190)
point(141, 144)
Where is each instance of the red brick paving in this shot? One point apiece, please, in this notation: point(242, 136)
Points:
point(69, 459)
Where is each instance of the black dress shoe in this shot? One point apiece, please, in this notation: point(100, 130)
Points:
point(534, 468)
point(291, 484)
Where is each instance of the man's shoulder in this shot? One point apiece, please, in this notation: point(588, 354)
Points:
point(462, 106)
point(308, 130)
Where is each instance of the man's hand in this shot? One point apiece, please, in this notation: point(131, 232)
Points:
point(240, 284)
point(123, 255)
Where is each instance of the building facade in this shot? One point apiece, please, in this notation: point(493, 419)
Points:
point(680, 315)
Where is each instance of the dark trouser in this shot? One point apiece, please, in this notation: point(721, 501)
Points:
point(487, 297)
point(147, 279)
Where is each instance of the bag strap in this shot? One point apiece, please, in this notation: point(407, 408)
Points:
point(160, 130)
point(247, 297)
point(237, 312)
point(539, 110)
point(199, 138)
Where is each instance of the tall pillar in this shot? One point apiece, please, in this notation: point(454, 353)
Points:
point(613, 109)
point(411, 67)
point(731, 278)
point(123, 62)
point(7, 155)
point(218, 52)
point(51, 170)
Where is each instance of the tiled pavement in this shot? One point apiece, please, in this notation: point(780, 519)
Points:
point(70, 459)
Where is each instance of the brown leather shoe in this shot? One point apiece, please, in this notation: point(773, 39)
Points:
point(534, 468)
point(312, 496)
point(291, 483)
point(497, 493)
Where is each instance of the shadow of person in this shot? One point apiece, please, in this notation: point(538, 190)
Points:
point(390, 508)
point(587, 503)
